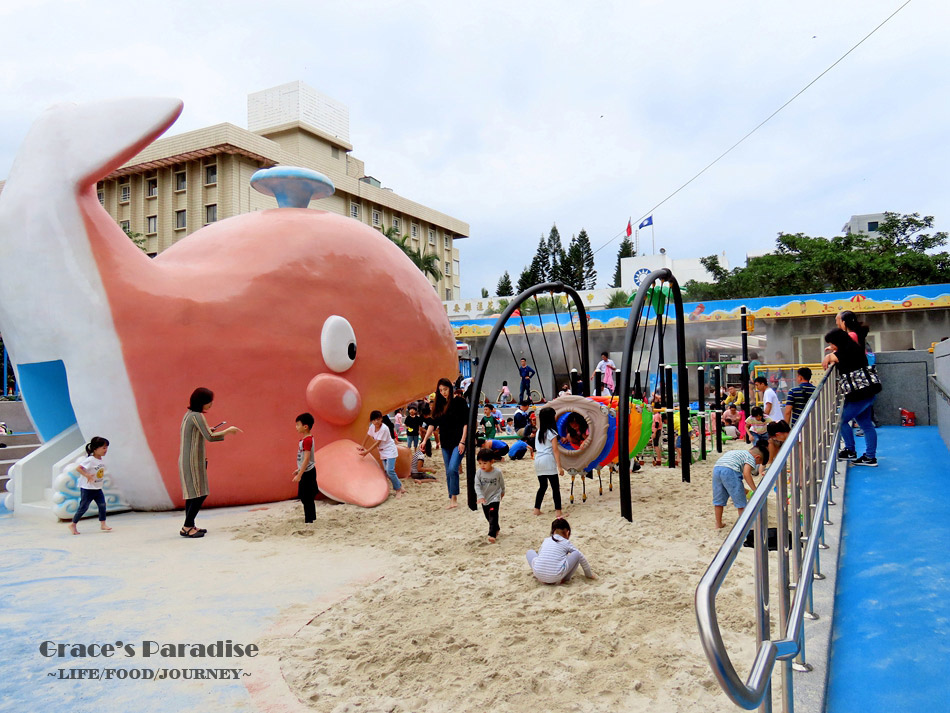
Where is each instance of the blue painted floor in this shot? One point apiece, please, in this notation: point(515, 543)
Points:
point(890, 647)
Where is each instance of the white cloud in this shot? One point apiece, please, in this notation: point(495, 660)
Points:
point(512, 116)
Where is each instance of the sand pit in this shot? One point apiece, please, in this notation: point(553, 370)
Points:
point(458, 624)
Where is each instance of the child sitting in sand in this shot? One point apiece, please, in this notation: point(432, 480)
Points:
point(729, 472)
point(417, 467)
point(558, 558)
point(490, 489)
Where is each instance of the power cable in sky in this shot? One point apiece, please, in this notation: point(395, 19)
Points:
point(757, 127)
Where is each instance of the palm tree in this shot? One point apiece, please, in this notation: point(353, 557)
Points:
point(617, 299)
point(428, 263)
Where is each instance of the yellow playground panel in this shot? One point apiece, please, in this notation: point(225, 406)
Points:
point(781, 378)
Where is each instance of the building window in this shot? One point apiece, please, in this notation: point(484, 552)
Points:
point(151, 224)
point(431, 236)
point(102, 197)
point(456, 268)
point(377, 219)
point(448, 268)
point(872, 226)
point(211, 175)
point(211, 213)
point(447, 241)
point(124, 224)
point(124, 192)
point(180, 181)
point(335, 152)
point(180, 220)
point(414, 230)
point(151, 187)
point(355, 210)
point(396, 224)
point(448, 293)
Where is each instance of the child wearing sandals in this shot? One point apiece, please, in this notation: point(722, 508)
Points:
point(92, 471)
point(558, 559)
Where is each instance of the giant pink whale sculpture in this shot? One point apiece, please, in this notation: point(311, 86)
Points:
point(278, 312)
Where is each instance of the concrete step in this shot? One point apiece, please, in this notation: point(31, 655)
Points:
point(15, 453)
point(19, 439)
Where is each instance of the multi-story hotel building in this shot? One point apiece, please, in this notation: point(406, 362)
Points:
point(180, 183)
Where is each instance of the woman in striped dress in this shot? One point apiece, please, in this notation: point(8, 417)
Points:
point(192, 465)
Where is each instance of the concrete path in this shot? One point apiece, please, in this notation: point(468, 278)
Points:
point(142, 582)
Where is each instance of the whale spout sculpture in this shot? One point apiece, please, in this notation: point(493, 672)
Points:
point(278, 311)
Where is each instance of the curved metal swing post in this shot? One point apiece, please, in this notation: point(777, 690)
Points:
point(623, 389)
point(496, 332)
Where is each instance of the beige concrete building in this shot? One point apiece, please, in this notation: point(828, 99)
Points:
point(180, 183)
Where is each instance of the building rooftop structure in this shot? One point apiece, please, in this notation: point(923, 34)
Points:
point(182, 182)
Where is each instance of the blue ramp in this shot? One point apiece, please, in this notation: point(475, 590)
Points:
point(890, 648)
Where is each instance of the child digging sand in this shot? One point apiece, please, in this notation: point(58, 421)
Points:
point(558, 559)
point(490, 489)
point(729, 472)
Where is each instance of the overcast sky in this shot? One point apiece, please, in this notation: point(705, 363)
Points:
point(515, 115)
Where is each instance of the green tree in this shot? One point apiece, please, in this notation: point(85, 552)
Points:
point(428, 263)
point(572, 268)
point(138, 238)
point(901, 255)
point(526, 280)
point(626, 250)
point(504, 288)
point(617, 299)
point(556, 255)
point(541, 263)
point(484, 292)
point(586, 265)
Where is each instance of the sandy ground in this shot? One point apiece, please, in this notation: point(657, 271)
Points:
point(458, 624)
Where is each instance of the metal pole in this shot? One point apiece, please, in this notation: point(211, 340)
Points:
point(717, 400)
point(701, 409)
point(781, 521)
point(668, 398)
point(745, 361)
point(763, 622)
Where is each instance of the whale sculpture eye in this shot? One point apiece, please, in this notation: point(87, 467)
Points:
point(338, 343)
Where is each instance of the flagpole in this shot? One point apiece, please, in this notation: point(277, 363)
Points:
point(653, 236)
point(636, 243)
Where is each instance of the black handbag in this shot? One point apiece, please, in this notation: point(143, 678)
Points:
point(863, 381)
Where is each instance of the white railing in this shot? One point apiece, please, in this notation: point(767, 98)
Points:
point(802, 474)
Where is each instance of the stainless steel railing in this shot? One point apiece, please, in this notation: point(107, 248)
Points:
point(809, 455)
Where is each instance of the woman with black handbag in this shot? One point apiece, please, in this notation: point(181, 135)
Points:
point(860, 385)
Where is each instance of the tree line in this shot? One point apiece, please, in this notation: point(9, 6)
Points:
point(552, 263)
point(901, 254)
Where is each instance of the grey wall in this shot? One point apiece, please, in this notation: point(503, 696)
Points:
point(906, 379)
point(942, 370)
point(13, 413)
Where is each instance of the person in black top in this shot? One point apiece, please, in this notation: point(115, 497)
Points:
point(413, 423)
point(849, 357)
point(450, 416)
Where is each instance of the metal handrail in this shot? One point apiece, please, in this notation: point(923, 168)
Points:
point(944, 390)
point(817, 430)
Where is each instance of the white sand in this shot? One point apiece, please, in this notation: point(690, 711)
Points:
point(458, 624)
